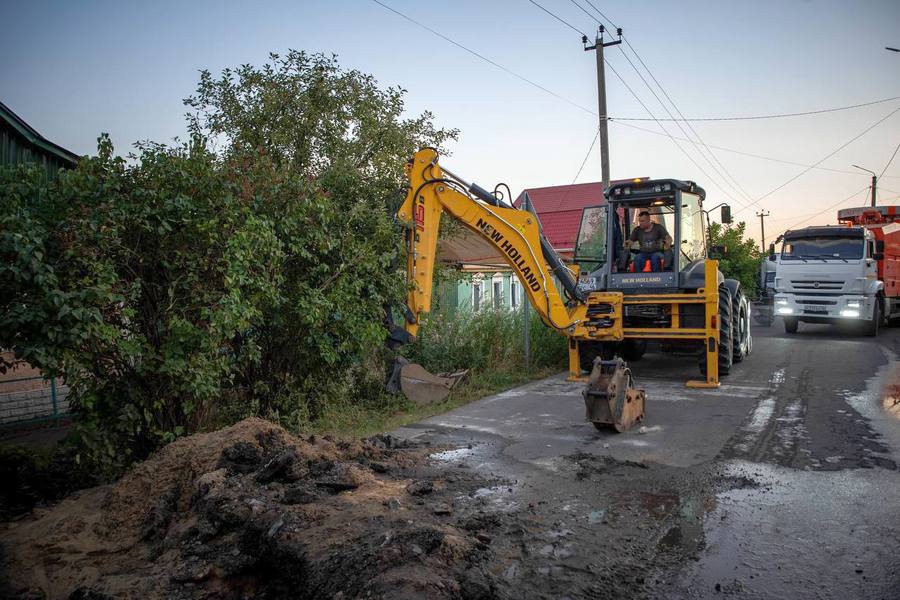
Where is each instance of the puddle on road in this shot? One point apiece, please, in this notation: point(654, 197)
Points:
point(879, 402)
point(797, 534)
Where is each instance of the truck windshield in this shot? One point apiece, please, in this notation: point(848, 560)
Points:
point(823, 248)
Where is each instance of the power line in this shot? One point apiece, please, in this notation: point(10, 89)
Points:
point(671, 137)
point(594, 113)
point(728, 178)
point(560, 19)
point(749, 154)
point(761, 117)
point(484, 58)
point(737, 186)
point(832, 207)
point(586, 156)
point(655, 95)
point(605, 18)
point(829, 155)
point(889, 161)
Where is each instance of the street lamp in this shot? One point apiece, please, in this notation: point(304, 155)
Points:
point(892, 49)
point(874, 181)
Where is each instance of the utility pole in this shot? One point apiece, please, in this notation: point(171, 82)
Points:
point(598, 46)
point(874, 182)
point(762, 227)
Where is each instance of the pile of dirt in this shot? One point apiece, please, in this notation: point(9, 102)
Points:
point(251, 511)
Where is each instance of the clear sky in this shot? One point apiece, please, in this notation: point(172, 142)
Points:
point(76, 69)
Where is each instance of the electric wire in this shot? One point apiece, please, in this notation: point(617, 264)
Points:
point(670, 136)
point(827, 156)
point(736, 187)
point(832, 207)
point(734, 183)
point(889, 161)
point(749, 154)
point(560, 19)
point(484, 58)
point(763, 117)
point(727, 178)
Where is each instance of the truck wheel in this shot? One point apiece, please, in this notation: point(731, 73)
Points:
point(588, 351)
point(740, 333)
point(725, 340)
point(790, 324)
point(633, 350)
point(872, 327)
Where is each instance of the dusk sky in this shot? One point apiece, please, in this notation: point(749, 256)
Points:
point(76, 69)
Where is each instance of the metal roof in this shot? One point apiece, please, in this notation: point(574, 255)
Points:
point(21, 143)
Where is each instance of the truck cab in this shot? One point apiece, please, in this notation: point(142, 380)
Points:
point(606, 262)
point(829, 274)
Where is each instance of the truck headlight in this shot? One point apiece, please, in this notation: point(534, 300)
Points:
point(785, 311)
point(781, 301)
point(850, 312)
point(853, 303)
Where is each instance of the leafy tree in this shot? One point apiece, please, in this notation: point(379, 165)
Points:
point(244, 272)
point(742, 256)
point(300, 117)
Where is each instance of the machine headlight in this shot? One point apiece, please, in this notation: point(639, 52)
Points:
point(849, 312)
point(785, 311)
point(781, 301)
point(853, 303)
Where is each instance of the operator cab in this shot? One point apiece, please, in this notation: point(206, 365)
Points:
point(616, 253)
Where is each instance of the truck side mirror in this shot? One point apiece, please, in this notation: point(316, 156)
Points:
point(879, 246)
point(726, 215)
point(772, 252)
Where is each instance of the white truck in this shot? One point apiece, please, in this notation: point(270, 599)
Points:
point(834, 274)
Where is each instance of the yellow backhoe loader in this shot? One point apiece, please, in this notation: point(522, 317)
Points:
point(607, 311)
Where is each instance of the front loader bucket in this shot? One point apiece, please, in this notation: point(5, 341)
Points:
point(610, 397)
point(419, 385)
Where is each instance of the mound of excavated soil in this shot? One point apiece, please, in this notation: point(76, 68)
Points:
point(251, 511)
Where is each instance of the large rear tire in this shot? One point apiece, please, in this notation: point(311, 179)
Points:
point(633, 350)
point(726, 347)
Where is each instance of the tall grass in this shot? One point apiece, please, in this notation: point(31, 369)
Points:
point(489, 341)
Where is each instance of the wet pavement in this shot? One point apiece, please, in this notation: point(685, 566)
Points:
point(783, 483)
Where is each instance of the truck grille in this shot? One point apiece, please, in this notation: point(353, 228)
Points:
point(817, 284)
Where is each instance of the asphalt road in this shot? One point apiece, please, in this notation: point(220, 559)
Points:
point(783, 483)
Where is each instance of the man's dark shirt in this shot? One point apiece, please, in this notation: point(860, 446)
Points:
point(651, 241)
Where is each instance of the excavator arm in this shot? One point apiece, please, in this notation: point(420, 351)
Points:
point(516, 234)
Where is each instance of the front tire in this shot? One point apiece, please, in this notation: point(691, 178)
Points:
point(588, 351)
point(741, 327)
point(873, 326)
point(790, 324)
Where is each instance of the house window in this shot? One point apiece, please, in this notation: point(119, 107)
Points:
point(477, 291)
point(513, 292)
point(497, 285)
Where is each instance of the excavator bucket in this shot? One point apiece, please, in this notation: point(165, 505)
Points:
point(610, 397)
point(420, 386)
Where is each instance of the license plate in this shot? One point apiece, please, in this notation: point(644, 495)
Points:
point(815, 308)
